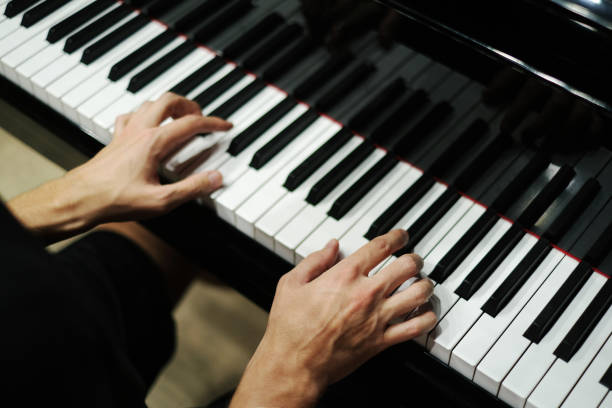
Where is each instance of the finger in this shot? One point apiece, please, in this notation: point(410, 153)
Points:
point(194, 186)
point(121, 122)
point(410, 328)
point(175, 133)
point(404, 302)
point(318, 262)
point(399, 271)
point(169, 105)
point(377, 250)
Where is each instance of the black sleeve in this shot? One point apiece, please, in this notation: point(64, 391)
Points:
point(90, 326)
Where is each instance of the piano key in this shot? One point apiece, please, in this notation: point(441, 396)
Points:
point(128, 63)
point(289, 58)
point(67, 84)
point(252, 36)
point(347, 83)
point(432, 120)
point(235, 102)
point(157, 8)
point(526, 268)
point(102, 46)
point(184, 17)
point(404, 112)
point(538, 358)
point(243, 140)
point(322, 75)
point(507, 350)
point(15, 7)
point(243, 118)
point(297, 230)
point(85, 34)
point(607, 401)
point(606, 379)
point(40, 11)
point(586, 323)
point(198, 76)
point(316, 160)
point(219, 87)
point(563, 375)
point(600, 248)
point(589, 392)
point(278, 41)
point(274, 146)
point(220, 20)
point(87, 13)
point(360, 188)
point(287, 204)
point(7, 26)
point(385, 96)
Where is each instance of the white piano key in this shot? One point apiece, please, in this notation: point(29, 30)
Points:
point(9, 25)
point(445, 299)
point(258, 203)
point(607, 401)
point(289, 203)
point(538, 358)
point(589, 392)
point(511, 345)
point(214, 78)
point(242, 119)
point(563, 376)
point(23, 34)
point(332, 228)
point(112, 91)
point(483, 335)
point(354, 238)
point(131, 101)
point(298, 229)
point(237, 87)
point(421, 206)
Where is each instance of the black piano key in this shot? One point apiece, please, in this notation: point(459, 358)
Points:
point(600, 248)
point(219, 87)
point(40, 11)
point(463, 247)
point(235, 102)
point(513, 282)
point(316, 160)
point(519, 184)
point(15, 7)
point(257, 128)
point(148, 74)
point(198, 76)
point(265, 51)
point(193, 16)
point(361, 187)
point(380, 102)
point(353, 78)
point(158, 7)
point(559, 302)
point(278, 143)
point(607, 378)
point(288, 59)
point(457, 148)
point(546, 196)
point(69, 24)
point(131, 61)
point(429, 123)
point(485, 158)
point(335, 176)
point(489, 263)
point(407, 109)
point(135, 3)
point(572, 210)
point(253, 35)
point(396, 211)
point(221, 20)
point(85, 34)
point(585, 324)
point(430, 217)
point(105, 44)
point(323, 74)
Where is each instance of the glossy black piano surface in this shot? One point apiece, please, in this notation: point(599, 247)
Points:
point(484, 128)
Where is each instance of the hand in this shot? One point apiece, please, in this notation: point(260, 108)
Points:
point(328, 319)
point(121, 182)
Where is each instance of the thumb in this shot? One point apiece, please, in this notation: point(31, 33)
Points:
point(194, 186)
point(318, 262)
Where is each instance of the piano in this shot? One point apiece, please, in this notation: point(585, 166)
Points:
point(483, 128)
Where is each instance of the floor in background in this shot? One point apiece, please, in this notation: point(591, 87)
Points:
point(217, 328)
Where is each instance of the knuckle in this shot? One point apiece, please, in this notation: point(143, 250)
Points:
point(381, 244)
point(406, 263)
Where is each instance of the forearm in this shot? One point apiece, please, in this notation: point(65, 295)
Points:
point(57, 209)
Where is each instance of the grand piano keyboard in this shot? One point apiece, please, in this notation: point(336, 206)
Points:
point(349, 145)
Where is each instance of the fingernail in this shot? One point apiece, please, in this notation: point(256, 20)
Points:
point(215, 179)
point(417, 260)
